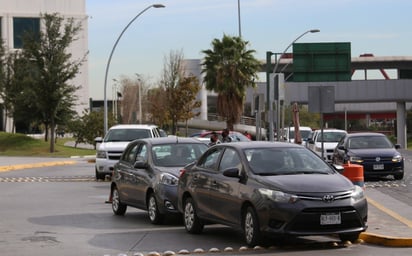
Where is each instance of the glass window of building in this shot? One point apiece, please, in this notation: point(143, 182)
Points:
point(22, 26)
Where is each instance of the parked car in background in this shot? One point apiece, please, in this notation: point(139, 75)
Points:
point(147, 173)
point(374, 151)
point(326, 143)
point(111, 147)
point(288, 134)
point(235, 136)
point(266, 188)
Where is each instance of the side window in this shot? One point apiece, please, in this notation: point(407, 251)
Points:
point(142, 153)
point(209, 161)
point(230, 159)
point(130, 154)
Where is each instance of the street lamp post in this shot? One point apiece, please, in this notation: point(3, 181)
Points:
point(268, 60)
point(238, 17)
point(110, 58)
point(140, 97)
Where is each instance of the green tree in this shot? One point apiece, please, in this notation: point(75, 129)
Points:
point(53, 68)
point(15, 89)
point(184, 99)
point(230, 68)
point(180, 91)
point(87, 127)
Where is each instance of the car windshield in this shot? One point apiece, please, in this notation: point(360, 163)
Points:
point(285, 161)
point(363, 142)
point(126, 134)
point(330, 136)
point(177, 154)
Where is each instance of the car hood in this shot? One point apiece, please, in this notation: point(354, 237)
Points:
point(371, 152)
point(116, 146)
point(308, 183)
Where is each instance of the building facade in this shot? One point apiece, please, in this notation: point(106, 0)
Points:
point(18, 16)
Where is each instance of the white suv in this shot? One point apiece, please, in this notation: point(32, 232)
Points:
point(331, 137)
point(114, 143)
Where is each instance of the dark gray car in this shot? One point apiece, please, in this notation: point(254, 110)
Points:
point(147, 173)
point(271, 188)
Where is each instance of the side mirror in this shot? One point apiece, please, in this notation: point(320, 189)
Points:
point(397, 146)
point(341, 147)
point(338, 168)
point(232, 172)
point(140, 165)
point(98, 139)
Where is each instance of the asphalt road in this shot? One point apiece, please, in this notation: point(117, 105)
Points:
point(54, 209)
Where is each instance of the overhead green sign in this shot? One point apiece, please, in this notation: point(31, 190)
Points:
point(321, 62)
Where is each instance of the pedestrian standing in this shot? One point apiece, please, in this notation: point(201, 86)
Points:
point(214, 139)
point(225, 136)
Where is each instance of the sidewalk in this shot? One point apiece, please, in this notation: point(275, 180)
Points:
point(389, 220)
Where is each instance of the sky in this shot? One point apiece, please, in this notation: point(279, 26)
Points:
point(380, 27)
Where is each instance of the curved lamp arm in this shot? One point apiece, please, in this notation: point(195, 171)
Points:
point(110, 58)
point(287, 48)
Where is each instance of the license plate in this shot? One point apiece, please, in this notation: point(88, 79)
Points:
point(378, 167)
point(330, 219)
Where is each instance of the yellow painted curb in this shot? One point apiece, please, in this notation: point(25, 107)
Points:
point(8, 168)
point(386, 240)
point(390, 241)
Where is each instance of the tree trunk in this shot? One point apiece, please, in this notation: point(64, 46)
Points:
point(52, 127)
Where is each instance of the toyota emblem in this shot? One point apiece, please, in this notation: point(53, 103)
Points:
point(328, 198)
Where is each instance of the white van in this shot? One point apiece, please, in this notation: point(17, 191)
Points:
point(114, 143)
point(288, 134)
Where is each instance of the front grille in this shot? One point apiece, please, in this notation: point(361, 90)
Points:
point(114, 155)
point(321, 197)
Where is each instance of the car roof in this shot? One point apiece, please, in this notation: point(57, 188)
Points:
point(133, 126)
point(365, 134)
point(259, 144)
point(171, 140)
point(330, 130)
point(301, 128)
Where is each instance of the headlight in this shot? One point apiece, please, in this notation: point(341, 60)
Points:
point(278, 196)
point(357, 193)
point(101, 154)
point(168, 179)
point(355, 159)
point(397, 159)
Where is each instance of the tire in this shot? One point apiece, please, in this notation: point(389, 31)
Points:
point(352, 237)
point(99, 176)
point(154, 215)
point(251, 227)
point(192, 223)
point(117, 206)
point(398, 176)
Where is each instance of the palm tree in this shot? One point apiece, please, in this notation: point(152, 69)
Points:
point(229, 69)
